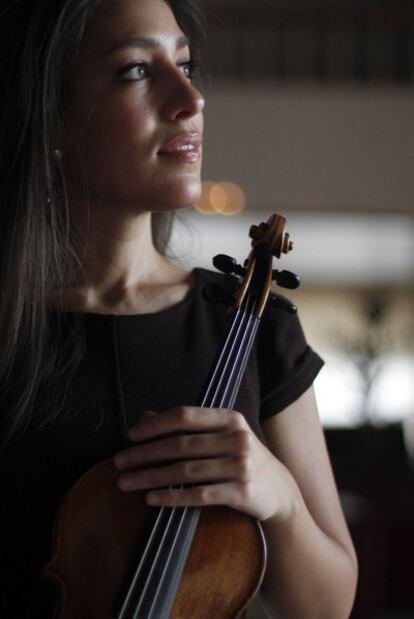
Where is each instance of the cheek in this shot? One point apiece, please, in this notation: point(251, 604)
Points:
point(116, 143)
point(117, 129)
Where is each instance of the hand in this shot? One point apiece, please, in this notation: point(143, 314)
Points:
point(213, 451)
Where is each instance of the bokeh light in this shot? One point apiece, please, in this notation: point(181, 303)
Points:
point(222, 198)
point(227, 198)
point(204, 205)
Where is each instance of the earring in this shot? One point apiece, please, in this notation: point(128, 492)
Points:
point(58, 154)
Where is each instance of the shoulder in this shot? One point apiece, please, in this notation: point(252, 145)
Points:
point(287, 364)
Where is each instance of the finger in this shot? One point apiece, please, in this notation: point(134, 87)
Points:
point(179, 447)
point(186, 419)
point(200, 496)
point(187, 472)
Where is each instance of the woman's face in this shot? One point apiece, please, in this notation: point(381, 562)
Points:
point(134, 116)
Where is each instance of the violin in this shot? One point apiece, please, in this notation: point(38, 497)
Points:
point(115, 556)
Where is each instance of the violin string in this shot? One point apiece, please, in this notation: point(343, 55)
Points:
point(242, 355)
point(237, 324)
point(139, 590)
point(235, 385)
point(148, 580)
point(244, 335)
point(241, 347)
point(128, 596)
point(214, 400)
point(167, 562)
point(223, 354)
point(230, 368)
point(234, 326)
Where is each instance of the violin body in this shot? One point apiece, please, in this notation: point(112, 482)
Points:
point(101, 529)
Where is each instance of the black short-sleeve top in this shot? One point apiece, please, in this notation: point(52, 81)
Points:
point(131, 364)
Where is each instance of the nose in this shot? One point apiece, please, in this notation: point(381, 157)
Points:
point(182, 99)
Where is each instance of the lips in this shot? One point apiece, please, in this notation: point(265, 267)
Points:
point(186, 146)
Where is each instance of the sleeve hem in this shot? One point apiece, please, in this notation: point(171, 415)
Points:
point(276, 401)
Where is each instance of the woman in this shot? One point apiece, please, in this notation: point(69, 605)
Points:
point(101, 138)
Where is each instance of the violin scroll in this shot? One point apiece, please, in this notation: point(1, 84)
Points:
point(270, 237)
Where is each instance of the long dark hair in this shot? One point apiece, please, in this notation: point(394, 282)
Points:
point(38, 41)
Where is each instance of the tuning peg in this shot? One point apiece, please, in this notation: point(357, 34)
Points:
point(213, 293)
point(228, 265)
point(282, 304)
point(286, 279)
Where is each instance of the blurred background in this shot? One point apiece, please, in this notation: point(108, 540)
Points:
point(310, 113)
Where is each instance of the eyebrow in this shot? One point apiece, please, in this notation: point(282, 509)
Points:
point(146, 43)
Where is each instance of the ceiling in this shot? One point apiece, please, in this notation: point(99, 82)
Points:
point(316, 40)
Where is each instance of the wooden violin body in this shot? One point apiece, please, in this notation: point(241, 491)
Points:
point(102, 528)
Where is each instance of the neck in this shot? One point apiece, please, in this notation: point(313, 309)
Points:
point(117, 253)
point(121, 271)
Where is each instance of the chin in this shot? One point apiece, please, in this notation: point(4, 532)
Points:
point(182, 197)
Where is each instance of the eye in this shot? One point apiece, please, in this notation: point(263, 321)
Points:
point(134, 72)
point(189, 68)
